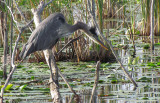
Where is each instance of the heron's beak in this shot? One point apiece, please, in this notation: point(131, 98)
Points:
point(98, 41)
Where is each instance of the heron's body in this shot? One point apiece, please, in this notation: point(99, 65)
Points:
point(49, 31)
point(40, 38)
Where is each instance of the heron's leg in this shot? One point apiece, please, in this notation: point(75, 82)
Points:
point(52, 79)
point(48, 60)
point(49, 63)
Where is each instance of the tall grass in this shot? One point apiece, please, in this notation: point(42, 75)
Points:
point(85, 49)
point(146, 16)
point(100, 11)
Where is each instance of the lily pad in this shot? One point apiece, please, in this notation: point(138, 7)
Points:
point(23, 87)
point(144, 79)
point(151, 64)
point(9, 86)
point(146, 46)
point(157, 44)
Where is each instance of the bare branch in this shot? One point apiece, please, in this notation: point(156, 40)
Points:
point(48, 3)
point(21, 13)
point(71, 41)
point(10, 10)
point(14, 51)
point(96, 80)
point(108, 42)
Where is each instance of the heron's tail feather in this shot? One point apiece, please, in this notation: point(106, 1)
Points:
point(21, 55)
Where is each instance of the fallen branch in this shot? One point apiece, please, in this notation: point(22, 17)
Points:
point(96, 81)
point(111, 47)
point(66, 81)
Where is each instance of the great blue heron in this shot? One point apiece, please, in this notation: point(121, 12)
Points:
point(50, 30)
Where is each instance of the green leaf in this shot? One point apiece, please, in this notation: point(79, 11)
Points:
point(41, 63)
point(157, 44)
point(158, 63)
point(145, 98)
point(146, 46)
point(151, 64)
point(135, 61)
point(137, 32)
point(100, 81)
point(89, 66)
point(9, 86)
point(32, 77)
point(1, 73)
point(130, 59)
point(20, 66)
point(114, 81)
point(23, 87)
point(144, 79)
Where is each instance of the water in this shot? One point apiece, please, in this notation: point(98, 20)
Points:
point(30, 81)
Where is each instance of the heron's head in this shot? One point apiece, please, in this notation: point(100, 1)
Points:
point(93, 35)
point(90, 32)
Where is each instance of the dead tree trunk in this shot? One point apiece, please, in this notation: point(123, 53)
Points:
point(54, 86)
point(11, 35)
point(1, 25)
point(5, 48)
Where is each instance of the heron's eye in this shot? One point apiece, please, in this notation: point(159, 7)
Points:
point(61, 19)
point(93, 30)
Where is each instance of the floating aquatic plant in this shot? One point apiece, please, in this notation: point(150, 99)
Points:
point(144, 79)
point(146, 46)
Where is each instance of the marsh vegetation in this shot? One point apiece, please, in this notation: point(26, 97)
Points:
point(125, 23)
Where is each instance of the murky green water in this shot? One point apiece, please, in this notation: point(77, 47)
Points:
point(30, 80)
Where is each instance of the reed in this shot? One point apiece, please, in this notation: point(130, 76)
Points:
point(145, 6)
point(100, 11)
point(84, 49)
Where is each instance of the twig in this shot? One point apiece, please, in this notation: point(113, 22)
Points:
point(108, 42)
point(96, 81)
point(10, 10)
point(71, 41)
point(123, 22)
point(21, 13)
point(14, 51)
point(71, 99)
point(12, 61)
point(119, 10)
point(48, 3)
point(66, 82)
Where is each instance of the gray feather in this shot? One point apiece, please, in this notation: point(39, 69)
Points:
point(45, 36)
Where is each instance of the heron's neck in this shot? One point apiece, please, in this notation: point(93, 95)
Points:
point(79, 25)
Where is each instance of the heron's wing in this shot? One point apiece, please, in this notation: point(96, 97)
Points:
point(52, 22)
point(46, 34)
